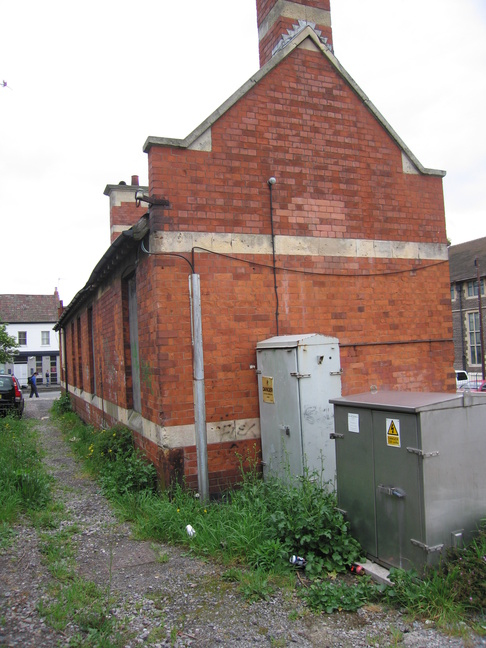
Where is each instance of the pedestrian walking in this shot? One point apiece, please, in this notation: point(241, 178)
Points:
point(33, 385)
point(47, 378)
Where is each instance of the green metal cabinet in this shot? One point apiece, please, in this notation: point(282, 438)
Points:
point(405, 465)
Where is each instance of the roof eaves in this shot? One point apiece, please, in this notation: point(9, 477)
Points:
point(462, 260)
point(308, 32)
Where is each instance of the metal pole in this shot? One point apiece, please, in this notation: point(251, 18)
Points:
point(476, 263)
point(199, 392)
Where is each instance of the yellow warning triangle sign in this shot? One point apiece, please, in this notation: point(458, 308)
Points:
point(392, 430)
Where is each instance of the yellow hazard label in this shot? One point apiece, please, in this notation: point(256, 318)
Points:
point(393, 432)
point(267, 389)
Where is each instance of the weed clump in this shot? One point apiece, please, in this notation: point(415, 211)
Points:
point(62, 405)
point(24, 483)
point(466, 570)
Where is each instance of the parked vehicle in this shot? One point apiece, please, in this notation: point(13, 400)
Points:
point(461, 378)
point(474, 386)
point(11, 397)
point(481, 387)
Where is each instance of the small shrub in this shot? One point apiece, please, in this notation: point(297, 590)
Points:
point(306, 521)
point(7, 535)
point(62, 405)
point(256, 585)
point(127, 473)
point(84, 604)
point(332, 595)
point(10, 505)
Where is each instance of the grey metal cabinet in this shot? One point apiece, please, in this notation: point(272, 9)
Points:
point(297, 377)
point(410, 472)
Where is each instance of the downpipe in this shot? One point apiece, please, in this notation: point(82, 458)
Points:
point(199, 388)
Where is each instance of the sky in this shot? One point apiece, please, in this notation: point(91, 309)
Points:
point(88, 82)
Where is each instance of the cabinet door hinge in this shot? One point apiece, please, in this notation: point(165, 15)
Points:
point(426, 548)
point(336, 373)
point(421, 453)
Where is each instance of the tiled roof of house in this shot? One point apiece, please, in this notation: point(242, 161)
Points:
point(29, 308)
point(461, 260)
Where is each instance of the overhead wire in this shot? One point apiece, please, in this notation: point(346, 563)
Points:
point(322, 274)
point(416, 268)
point(172, 254)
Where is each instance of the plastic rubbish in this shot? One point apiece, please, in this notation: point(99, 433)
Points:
point(190, 531)
point(356, 569)
point(298, 561)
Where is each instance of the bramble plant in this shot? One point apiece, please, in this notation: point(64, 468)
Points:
point(333, 595)
point(307, 522)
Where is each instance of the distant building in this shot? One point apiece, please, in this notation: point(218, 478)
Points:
point(465, 302)
point(30, 319)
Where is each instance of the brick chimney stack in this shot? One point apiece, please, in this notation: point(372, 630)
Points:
point(279, 18)
point(123, 207)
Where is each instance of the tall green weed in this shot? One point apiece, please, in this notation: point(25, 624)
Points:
point(24, 482)
point(468, 570)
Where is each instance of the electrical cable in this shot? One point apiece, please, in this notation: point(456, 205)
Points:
point(294, 270)
point(171, 254)
point(320, 274)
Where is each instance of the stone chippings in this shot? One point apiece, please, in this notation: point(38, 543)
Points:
point(162, 597)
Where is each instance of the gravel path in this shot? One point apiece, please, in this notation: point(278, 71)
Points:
point(174, 601)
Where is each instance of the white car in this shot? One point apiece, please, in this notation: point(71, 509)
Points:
point(462, 379)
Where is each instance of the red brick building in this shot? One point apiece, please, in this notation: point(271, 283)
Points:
point(348, 242)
